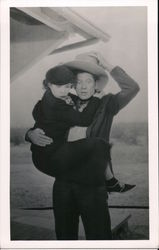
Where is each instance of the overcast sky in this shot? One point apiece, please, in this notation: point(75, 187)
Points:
point(127, 48)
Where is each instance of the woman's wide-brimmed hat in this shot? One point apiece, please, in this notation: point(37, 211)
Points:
point(87, 62)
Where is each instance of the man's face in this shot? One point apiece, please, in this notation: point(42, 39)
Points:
point(85, 86)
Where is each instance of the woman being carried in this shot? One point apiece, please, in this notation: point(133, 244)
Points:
point(58, 111)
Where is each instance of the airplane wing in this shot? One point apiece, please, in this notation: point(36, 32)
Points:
point(39, 31)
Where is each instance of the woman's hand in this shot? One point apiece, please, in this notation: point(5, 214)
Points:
point(38, 137)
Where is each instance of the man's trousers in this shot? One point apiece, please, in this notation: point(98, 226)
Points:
point(71, 200)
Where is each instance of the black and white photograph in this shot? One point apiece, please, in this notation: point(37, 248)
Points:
point(80, 126)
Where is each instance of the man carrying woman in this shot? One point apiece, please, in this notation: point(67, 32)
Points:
point(76, 191)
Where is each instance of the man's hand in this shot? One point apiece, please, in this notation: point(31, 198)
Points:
point(102, 61)
point(38, 137)
point(76, 133)
point(99, 94)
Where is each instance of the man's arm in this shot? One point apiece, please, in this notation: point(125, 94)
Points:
point(38, 137)
point(76, 133)
point(129, 88)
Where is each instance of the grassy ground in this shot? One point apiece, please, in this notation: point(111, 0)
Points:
point(30, 188)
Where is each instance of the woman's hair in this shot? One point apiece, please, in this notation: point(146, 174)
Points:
point(59, 75)
point(78, 71)
point(45, 84)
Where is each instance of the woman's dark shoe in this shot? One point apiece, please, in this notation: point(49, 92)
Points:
point(114, 185)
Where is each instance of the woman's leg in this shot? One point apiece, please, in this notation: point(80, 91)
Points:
point(41, 162)
point(70, 155)
point(73, 155)
point(83, 160)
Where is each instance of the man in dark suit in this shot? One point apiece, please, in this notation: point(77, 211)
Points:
point(70, 198)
